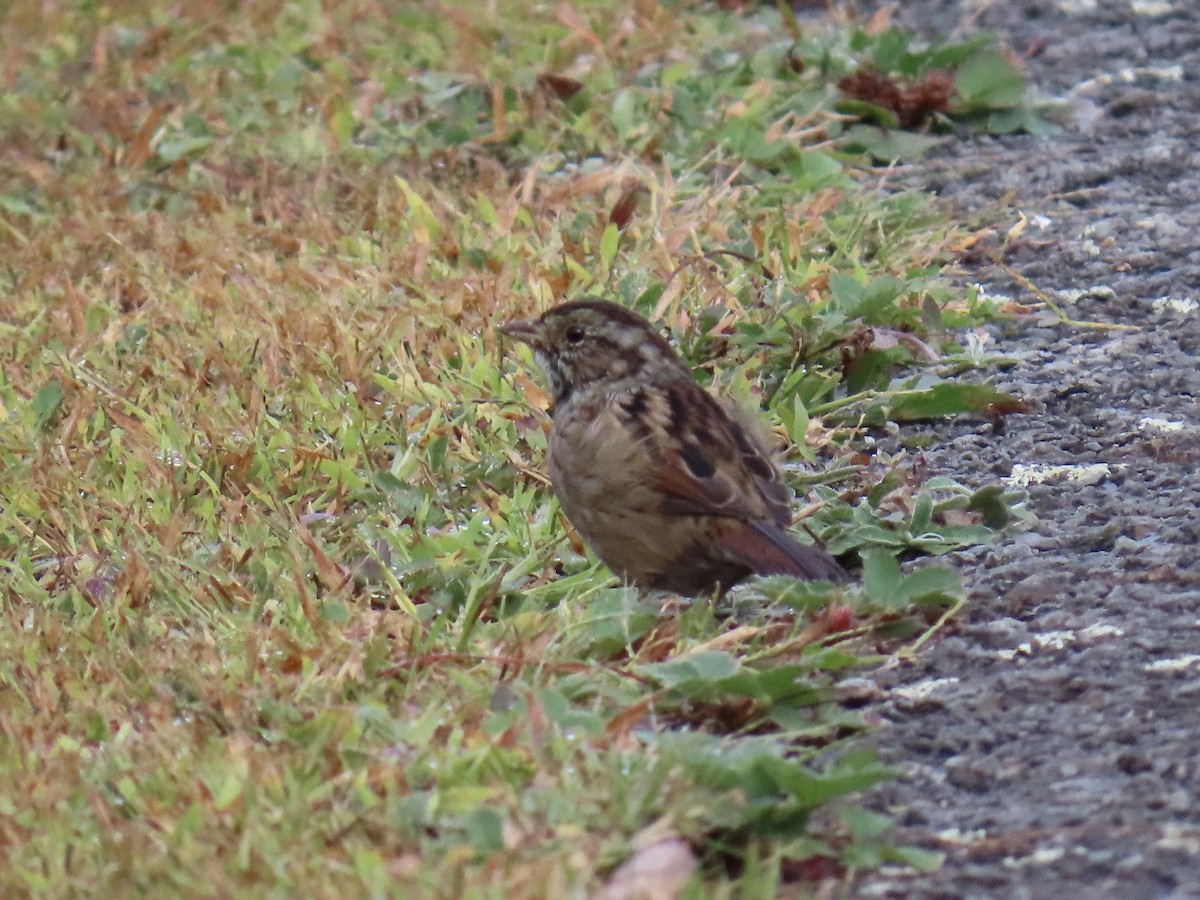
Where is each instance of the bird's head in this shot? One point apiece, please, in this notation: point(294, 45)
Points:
point(585, 342)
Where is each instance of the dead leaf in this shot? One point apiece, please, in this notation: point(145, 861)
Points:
point(658, 871)
point(141, 147)
point(560, 86)
point(620, 726)
point(623, 210)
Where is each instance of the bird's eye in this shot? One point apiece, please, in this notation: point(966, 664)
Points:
point(575, 334)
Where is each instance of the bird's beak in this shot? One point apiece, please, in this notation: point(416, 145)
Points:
point(528, 331)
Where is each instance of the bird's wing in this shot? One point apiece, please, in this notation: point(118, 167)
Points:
point(750, 440)
point(703, 460)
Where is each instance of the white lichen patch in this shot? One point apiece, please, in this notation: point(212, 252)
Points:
point(1174, 664)
point(1153, 423)
point(1039, 857)
point(957, 836)
point(1156, 73)
point(1179, 837)
point(1024, 475)
point(923, 689)
point(1185, 305)
point(1099, 291)
point(1054, 640)
point(1130, 76)
point(1151, 7)
point(1059, 640)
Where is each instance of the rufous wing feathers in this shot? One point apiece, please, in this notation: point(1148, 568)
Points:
point(769, 550)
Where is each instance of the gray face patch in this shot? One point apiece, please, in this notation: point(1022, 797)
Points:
point(554, 378)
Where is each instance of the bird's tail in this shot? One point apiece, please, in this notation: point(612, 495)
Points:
point(769, 550)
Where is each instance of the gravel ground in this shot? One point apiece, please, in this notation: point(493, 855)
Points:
point(1050, 741)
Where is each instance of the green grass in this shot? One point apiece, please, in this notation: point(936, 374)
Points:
point(288, 606)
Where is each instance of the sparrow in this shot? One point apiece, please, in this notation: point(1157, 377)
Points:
point(669, 488)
